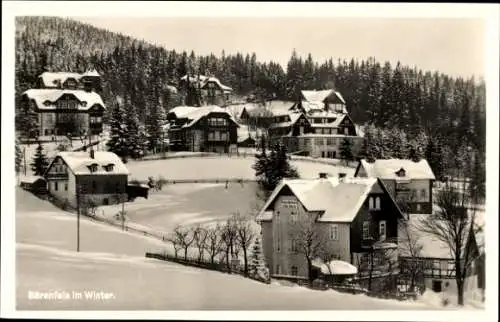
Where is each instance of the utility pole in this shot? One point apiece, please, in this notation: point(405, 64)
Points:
point(78, 201)
point(24, 157)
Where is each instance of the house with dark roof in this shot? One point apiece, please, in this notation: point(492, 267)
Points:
point(97, 176)
point(202, 129)
point(66, 103)
point(409, 182)
point(350, 218)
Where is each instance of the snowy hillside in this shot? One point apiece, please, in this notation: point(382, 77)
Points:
point(113, 262)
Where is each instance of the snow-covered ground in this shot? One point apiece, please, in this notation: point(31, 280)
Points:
point(219, 167)
point(112, 262)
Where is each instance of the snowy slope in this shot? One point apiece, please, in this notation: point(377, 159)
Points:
point(112, 261)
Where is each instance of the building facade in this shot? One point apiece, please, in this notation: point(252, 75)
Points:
point(66, 103)
point(409, 182)
point(210, 89)
point(96, 176)
point(350, 218)
point(328, 126)
point(202, 129)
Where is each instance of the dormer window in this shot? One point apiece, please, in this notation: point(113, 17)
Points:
point(92, 167)
point(47, 103)
point(109, 167)
point(401, 173)
point(84, 104)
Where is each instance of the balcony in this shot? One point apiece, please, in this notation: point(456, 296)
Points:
point(375, 243)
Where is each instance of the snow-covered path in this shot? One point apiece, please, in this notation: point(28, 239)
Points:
point(113, 262)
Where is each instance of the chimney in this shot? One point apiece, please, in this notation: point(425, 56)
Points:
point(323, 175)
point(92, 153)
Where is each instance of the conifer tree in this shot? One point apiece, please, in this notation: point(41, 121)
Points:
point(118, 132)
point(19, 157)
point(257, 262)
point(434, 156)
point(346, 150)
point(135, 136)
point(40, 161)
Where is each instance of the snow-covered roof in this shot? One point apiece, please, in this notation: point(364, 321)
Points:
point(53, 79)
point(386, 169)
point(432, 247)
point(293, 118)
point(335, 267)
point(79, 162)
point(199, 112)
point(46, 98)
point(321, 95)
point(339, 201)
point(30, 179)
point(204, 80)
point(182, 111)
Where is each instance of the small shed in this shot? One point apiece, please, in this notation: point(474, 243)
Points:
point(34, 184)
point(137, 190)
point(336, 271)
point(248, 142)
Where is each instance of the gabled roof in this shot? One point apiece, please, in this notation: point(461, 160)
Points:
point(294, 117)
point(204, 80)
point(40, 96)
point(198, 112)
point(338, 201)
point(30, 179)
point(321, 95)
point(386, 169)
point(78, 162)
point(51, 79)
point(182, 111)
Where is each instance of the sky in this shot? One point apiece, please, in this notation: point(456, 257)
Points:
point(454, 46)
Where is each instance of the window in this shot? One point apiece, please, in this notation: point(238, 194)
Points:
point(66, 186)
point(294, 271)
point(94, 186)
point(55, 185)
point(223, 136)
point(290, 204)
point(278, 269)
point(318, 131)
point(293, 246)
point(419, 207)
point(423, 194)
point(210, 136)
point(294, 217)
point(382, 229)
point(334, 232)
point(278, 246)
point(374, 203)
point(366, 230)
point(346, 131)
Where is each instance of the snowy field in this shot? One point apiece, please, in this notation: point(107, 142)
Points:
point(219, 167)
point(187, 204)
point(112, 261)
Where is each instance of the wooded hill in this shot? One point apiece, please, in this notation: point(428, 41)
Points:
point(390, 97)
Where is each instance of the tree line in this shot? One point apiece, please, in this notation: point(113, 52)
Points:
point(412, 100)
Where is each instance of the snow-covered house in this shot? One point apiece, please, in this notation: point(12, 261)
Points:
point(66, 103)
point(328, 125)
point(211, 88)
point(409, 182)
point(83, 176)
point(202, 129)
point(350, 218)
point(431, 260)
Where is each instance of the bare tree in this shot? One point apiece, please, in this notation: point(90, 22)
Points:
point(184, 238)
point(244, 235)
point(309, 240)
point(200, 240)
point(214, 242)
point(410, 244)
point(229, 240)
point(453, 224)
point(172, 238)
